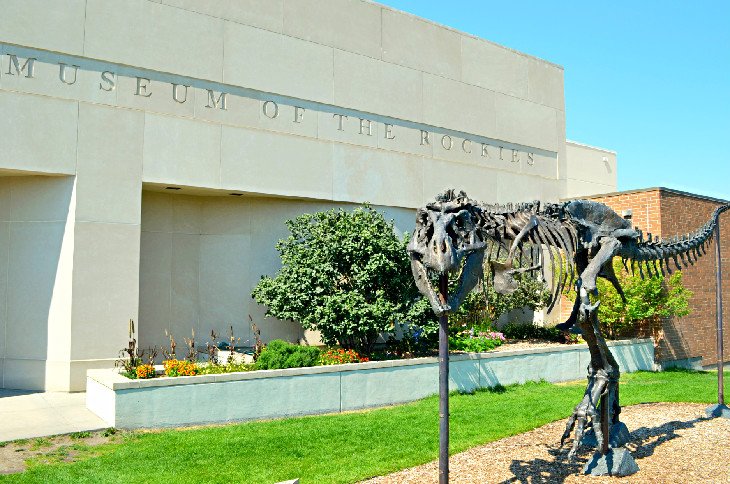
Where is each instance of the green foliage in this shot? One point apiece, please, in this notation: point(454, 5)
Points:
point(484, 305)
point(477, 344)
point(345, 274)
point(480, 308)
point(420, 329)
point(531, 294)
point(531, 331)
point(211, 369)
point(279, 354)
point(80, 435)
point(39, 443)
point(649, 300)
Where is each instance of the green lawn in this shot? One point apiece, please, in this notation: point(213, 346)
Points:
point(349, 447)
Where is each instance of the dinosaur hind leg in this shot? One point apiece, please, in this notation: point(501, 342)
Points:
point(599, 407)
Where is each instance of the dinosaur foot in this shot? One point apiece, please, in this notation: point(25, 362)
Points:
point(586, 414)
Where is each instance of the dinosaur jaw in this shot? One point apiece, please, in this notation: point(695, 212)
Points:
point(423, 283)
point(471, 274)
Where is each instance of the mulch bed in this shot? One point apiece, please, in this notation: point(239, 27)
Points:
point(671, 442)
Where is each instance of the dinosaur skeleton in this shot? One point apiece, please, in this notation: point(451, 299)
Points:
point(578, 240)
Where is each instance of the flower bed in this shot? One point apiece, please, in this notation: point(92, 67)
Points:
point(210, 398)
point(276, 355)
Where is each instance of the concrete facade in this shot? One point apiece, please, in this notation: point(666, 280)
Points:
point(254, 111)
point(591, 170)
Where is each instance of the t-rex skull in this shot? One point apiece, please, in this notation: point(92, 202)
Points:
point(447, 231)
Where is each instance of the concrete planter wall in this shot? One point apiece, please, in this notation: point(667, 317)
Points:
point(166, 402)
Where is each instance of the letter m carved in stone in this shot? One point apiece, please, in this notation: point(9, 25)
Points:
point(216, 103)
point(27, 67)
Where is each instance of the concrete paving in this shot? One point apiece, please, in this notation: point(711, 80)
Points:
point(25, 414)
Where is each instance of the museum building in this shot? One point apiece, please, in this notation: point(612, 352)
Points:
point(152, 150)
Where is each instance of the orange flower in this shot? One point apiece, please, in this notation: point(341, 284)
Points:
point(145, 371)
point(180, 368)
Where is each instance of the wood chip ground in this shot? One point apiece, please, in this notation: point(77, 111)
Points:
point(672, 443)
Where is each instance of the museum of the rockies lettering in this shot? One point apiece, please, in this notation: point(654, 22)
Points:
point(67, 74)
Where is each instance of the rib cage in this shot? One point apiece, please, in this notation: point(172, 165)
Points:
point(561, 238)
point(556, 239)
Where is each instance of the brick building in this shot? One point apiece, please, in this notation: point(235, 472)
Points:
point(665, 212)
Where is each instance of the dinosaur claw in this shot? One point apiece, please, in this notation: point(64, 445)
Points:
point(441, 309)
point(590, 307)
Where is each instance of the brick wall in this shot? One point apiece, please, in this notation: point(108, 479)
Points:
point(667, 213)
point(695, 334)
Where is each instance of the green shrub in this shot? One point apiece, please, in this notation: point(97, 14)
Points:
point(483, 306)
point(650, 299)
point(344, 273)
point(531, 331)
point(210, 369)
point(279, 354)
point(477, 344)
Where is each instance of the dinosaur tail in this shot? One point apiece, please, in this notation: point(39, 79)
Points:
point(652, 256)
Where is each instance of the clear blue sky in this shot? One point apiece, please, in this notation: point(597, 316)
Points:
point(649, 79)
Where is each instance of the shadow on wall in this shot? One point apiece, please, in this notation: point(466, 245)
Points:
point(672, 344)
point(634, 358)
point(35, 284)
point(201, 256)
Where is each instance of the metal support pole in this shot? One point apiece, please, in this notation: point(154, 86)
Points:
point(719, 410)
point(718, 297)
point(444, 384)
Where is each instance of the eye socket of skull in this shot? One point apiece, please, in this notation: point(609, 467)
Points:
point(424, 227)
point(464, 220)
point(462, 225)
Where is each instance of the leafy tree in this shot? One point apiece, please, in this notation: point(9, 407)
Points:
point(482, 307)
point(344, 273)
point(649, 300)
